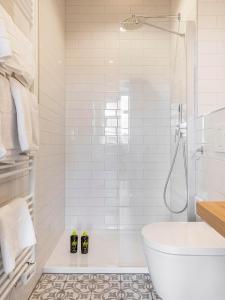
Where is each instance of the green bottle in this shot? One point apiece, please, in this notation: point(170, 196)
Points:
point(84, 243)
point(73, 242)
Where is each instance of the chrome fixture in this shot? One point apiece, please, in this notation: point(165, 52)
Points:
point(180, 134)
point(136, 21)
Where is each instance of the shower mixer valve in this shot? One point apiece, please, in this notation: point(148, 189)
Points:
point(181, 129)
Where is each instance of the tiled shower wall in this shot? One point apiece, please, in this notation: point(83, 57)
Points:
point(188, 11)
point(211, 96)
point(211, 166)
point(117, 115)
point(211, 52)
point(51, 158)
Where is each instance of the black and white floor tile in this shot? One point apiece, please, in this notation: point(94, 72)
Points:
point(94, 287)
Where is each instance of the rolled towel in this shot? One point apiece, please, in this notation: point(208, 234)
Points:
point(16, 232)
point(16, 51)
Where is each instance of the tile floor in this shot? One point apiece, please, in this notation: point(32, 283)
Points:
point(94, 287)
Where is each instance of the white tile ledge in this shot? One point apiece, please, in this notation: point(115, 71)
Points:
point(85, 270)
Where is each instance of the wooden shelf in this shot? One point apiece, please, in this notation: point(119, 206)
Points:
point(213, 213)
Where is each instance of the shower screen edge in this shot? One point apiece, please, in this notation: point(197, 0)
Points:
point(191, 70)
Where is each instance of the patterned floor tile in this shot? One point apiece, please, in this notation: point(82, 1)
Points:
point(94, 287)
point(53, 277)
point(84, 277)
point(107, 277)
point(80, 287)
point(134, 277)
point(135, 290)
point(106, 290)
point(107, 294)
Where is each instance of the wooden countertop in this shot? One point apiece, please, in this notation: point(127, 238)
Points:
point(213, 213)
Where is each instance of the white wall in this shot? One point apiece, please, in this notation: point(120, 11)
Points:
point(211, 166)
point(210, 83)
point(211, 52)
point(211, 96)
point(187, 8)
point(49, 207)
point(51, 171)
point(188, 11)
point(117, 115)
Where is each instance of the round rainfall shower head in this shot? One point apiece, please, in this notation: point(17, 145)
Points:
point(132, 23)
point(136, 22)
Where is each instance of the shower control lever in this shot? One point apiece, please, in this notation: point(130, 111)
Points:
point(200, 150)
point(181, 129)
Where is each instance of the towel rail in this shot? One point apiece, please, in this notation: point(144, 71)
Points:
point(13, 164)
point(19, 270)
point(19, 259)
point(15, 168)
point(27, 257)
point(16, 172)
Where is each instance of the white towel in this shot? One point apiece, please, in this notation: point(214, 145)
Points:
point(16, 232)
point(5, 46)
point(2, 150)
point(22, 99)
point(35, 123)
point(8, 125)
point(16, 51)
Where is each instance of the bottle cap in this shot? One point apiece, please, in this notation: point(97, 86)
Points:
point(85, 233)
point(74, 232)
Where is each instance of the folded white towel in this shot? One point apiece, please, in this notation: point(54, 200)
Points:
point(16, 51)
point(8, 125)
point(16, 232)
point(22, 99)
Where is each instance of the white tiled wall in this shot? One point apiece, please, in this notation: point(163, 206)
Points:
point(187, 8)
point(211, 166)
point(211, 96)
point(49, 206)
point(117, 115)
point(211, 48)
point(51, 160)
point(188, 12)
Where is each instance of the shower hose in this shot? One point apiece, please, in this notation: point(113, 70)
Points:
point(180, 142)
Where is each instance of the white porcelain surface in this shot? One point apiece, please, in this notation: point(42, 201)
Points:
point(186, 276)
point(109, 251)
point(184, 238)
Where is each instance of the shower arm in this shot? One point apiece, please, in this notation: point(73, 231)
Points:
point(178, 17)
point(159, 27)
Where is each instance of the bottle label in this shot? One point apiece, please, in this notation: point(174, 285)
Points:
point(73, 244)
point(84, 244)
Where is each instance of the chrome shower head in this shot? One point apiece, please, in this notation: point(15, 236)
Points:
point(135, 22)
point(132, 23)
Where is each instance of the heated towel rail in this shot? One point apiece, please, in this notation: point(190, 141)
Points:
point(25, 262)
